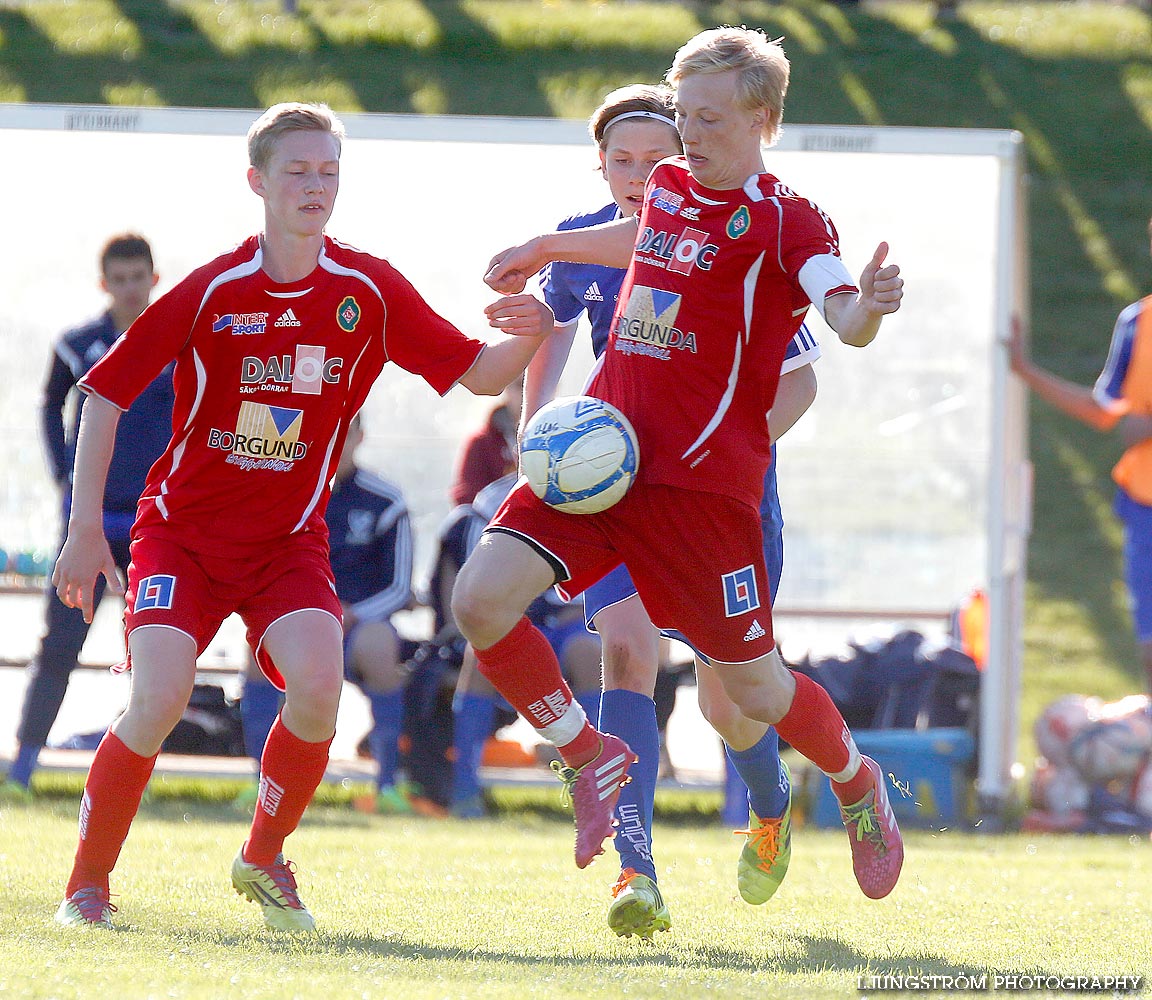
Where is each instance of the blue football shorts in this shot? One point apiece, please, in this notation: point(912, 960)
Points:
point(1137, 521)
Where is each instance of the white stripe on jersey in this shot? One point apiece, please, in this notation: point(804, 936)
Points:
point(1122, 333)
point(808, 351)
point(385, 603)
point(232, 274)
point(332, 267)
point(325, 476)
point(750, 280)
point(725, 401)
point(178, 451)
point(73, 360)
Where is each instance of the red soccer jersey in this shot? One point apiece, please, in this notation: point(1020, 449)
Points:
point(710, 302)
point(267, 378)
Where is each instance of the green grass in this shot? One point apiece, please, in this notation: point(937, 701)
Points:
point(1075, 79)
point(421, 909)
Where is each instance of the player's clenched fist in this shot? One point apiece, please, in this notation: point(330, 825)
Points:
point(509, 270)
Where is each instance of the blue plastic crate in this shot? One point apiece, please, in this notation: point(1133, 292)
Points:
point(929, 769)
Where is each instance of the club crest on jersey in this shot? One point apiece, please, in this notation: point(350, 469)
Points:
point(241, 324)
point(678, 252)
point(155, 593)
point(649, 319)
point(740, 223)
point(740, 592)
point(266, 437)
point(348, 314)
point(306, 373)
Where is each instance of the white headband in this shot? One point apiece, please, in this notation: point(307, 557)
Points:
point(637, 114)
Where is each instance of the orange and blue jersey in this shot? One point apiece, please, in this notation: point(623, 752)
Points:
point(1125, 386)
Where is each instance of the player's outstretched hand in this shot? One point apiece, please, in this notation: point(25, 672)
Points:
point(1017, 350)
point(522, 315)
point(509, 270)
point(83, 558)
point(881, 287)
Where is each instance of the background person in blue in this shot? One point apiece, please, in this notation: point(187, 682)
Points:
point(128, 275)
point(476, 701)
point(634, 129)
point(370, 547)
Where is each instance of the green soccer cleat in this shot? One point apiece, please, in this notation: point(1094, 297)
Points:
point(14, 792)
point(637, 907)
point(87, 907)
point(768, 850)
point(246, 799)
point(274, 888)
point(393, 800)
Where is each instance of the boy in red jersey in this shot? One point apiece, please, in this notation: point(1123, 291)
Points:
point(277, 344)
point(723, 263)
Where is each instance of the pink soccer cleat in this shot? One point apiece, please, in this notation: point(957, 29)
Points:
point(593, 790)
point(877, 848)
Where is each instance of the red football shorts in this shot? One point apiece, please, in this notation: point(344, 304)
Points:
point(697, 560)
point(194, 592)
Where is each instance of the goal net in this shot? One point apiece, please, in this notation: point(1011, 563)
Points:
point(904, 487)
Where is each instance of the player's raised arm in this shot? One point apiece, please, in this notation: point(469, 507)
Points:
point(85, 554)
point(529, 321)
point(1078, 401)
point(609, 244)
point(856, 318)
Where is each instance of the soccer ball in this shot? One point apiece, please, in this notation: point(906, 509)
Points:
point(579, 454)
point(1112, 748)
point(1141, 791)
point(1059, 723)
point(1059, 790)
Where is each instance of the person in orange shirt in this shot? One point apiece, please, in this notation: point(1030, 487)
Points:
point(1120, 399)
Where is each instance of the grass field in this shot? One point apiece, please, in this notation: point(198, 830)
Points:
point(423, 909)
point(1076, 79)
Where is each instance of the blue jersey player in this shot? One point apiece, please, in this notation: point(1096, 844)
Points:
point(475, 703)
point(634, 129)
point(128, 276)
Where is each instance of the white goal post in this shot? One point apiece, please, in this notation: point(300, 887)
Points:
point(904, 488)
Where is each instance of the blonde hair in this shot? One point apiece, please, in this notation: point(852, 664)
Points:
point(760, 61)
point(637, 100)
point(293, 116)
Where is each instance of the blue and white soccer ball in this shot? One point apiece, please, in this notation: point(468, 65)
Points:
point(579, 454)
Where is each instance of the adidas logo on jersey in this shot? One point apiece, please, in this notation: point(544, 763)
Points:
point(755, 631)
point(592, 293)
point(288, 319)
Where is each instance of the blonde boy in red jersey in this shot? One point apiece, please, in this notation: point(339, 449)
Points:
point(723, 261)
point(277, 344)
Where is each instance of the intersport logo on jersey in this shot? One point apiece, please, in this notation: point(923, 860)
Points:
point(679, 253)
point(241, 324)
point(305, 373)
